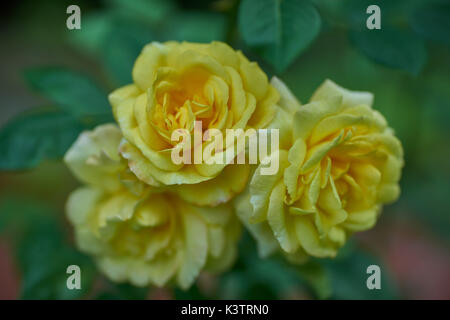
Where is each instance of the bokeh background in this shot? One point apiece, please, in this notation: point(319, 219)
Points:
point(406, 65)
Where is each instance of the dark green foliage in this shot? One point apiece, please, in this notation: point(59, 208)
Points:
point(36, 136)
point(393, 48)
point(42, 251)
point(73, 92)
point(278, 29)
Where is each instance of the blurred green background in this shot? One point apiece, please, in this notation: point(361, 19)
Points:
point(54, 83)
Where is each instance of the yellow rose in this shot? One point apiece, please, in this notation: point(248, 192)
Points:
point(138, 233)
point(343, 165)
point(176, 84)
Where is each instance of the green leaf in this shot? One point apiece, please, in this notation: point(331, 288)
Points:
point(69, 90)
point(392, 12)
point(95, 28)
point(19, 212)
point(121, 48)
point(255, 278)
point(152, 11)
point(315, 275)
point(34, 136)
point(391, 47)
point(44, 258)
point(196, 27)
point(432, 21)
point(278, 29)
point(42, 253)
point(348, 273)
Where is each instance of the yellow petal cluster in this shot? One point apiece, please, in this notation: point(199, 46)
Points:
point(343, 165)
point(138, 233)
point(147, 220)
point(176, 84)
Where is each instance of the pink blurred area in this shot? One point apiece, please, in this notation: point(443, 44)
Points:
point(419, 262)
point(9, 276)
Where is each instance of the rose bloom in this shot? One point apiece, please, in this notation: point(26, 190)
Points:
point(176, 84)
point(138, 233)
point(344, 163)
